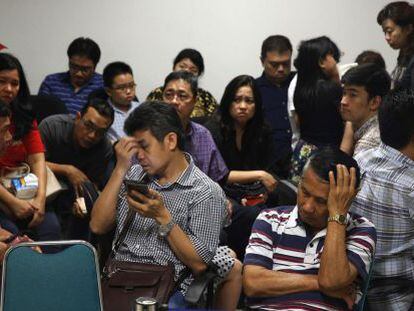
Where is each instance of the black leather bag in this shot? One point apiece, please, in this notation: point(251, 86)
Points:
point(123, 282)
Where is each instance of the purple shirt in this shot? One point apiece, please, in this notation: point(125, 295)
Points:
point(200, 144)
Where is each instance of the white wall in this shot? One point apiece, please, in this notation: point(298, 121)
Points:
point(148, 34)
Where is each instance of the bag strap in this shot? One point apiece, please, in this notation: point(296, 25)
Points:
point(127, 224)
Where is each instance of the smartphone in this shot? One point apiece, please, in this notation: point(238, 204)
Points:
point(137, 186)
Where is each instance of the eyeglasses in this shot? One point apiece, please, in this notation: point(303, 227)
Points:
point(240, 99)
point(181, 96)
point(84, 69)
point(124, 87)
point(90, 127)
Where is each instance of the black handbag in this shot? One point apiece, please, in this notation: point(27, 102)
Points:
point(123, 281)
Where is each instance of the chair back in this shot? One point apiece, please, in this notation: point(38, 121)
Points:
point(67, 280)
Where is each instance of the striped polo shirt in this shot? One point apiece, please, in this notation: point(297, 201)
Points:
point(59, 85)
point(281, 242)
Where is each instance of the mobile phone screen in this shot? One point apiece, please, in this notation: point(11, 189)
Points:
point(137, 186)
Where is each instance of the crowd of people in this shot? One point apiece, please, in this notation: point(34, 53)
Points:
point(297, 186)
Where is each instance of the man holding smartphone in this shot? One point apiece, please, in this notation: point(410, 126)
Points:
point(179, 219)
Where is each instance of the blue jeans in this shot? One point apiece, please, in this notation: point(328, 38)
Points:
point(47, 230)
point(177, 302)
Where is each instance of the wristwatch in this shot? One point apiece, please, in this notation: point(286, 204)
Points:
point(340, 219)
point(164, 230)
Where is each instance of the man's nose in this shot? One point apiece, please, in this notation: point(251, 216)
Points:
point(309, 206)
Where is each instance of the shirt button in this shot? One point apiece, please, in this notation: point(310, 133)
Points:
point(284, 103)
point(288, 131)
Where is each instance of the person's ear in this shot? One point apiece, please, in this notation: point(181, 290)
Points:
point(374, 103)
point(107, 91)
point(171, 141)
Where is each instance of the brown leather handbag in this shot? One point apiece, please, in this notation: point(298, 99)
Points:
point(124, 281)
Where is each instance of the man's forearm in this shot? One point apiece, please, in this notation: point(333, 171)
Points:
point(58, 169)
point(335, 271)
point(38, 167)
point(183, 248)
point(261, 282)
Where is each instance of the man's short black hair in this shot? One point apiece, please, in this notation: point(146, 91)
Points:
point(193, 55)
point(159, 118)
point(276, 43)
point(114, 69)
point(373, 78)
point(370, 57)
point(101, 106)
point(326, 159)
point(395, 118)
point(4, 109)
point(185, 76)
point(85, 47)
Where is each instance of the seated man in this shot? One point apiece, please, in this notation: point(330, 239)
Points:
point(316, 255)
point(120, 87)
point(364, 87)
point(77, 151)
point(179, 221)
point(387, 197)
point(180, 90)
point(74, 86)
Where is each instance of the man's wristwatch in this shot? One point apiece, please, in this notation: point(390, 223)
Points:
point(340, 219)
point(164, 230)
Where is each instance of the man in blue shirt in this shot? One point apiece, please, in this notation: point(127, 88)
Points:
point(276, 58)
point(74, 86)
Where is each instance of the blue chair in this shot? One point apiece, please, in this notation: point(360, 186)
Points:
point(65, 281)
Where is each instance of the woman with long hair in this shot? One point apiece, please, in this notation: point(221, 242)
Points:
point(317, 100)
point(397, 22)
point(246, 145)
point(26, 146)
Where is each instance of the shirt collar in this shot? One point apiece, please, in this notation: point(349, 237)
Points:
point(185, 179)
point(264, 81)
point(66, 79)
point(371, 122)
point(133, 105)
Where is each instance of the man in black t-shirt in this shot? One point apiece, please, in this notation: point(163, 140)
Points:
point(78, 151)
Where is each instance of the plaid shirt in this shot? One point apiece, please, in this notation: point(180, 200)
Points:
point(197, 205)
point(367, 136)
point(387, 199)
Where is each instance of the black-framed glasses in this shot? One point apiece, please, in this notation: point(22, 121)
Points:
point(90, 127)
point(124, 87)
point(84, 69)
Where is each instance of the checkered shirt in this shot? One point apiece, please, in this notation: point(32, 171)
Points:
point(196, 204)
point(367, 136)
point(387, 199)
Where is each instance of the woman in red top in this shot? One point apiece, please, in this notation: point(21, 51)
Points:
point(26, 147)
